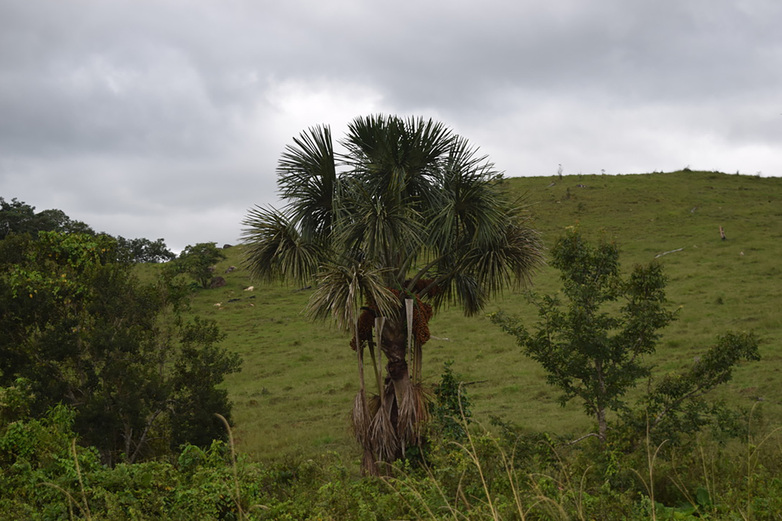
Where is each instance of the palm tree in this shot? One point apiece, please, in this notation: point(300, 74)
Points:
point(407, 219)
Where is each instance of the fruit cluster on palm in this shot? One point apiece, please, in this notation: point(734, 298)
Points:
point(407, 218)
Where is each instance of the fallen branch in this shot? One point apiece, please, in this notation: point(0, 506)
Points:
point(667, 252)
point(585, 436)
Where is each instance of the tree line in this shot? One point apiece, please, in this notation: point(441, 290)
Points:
point(19, 217)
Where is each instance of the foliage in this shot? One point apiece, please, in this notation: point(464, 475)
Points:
point(450, 410)
point(596, 355)
point(587, 351)
point(198, 261)
point(414, 220)
point(143, 250)
point(15, 401)
point(676, 402)
point(19, 217)
point(47, 476)
point(82, 330)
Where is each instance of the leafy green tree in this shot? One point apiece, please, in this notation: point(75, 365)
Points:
point(16, 217)
point(198, 261)
point(592, 347)
point(83, 331)
point(144, 250)
point(19, 217)
point(408, 218)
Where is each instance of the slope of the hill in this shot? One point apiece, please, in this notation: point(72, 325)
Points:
point(299, 378)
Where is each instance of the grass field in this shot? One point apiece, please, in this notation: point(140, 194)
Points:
point(295, 390)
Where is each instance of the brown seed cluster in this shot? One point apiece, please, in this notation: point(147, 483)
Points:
point(422, 313)
point(422, 284)
point(366, 322)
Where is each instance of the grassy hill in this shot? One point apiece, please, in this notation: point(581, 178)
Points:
point(298, 381)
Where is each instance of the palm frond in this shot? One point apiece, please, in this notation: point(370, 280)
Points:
point(483, 268)
point(344, 287)
point(398, 159)
point(388, 232)
point(413, 413)
point(463, 289)
point(307, 178)
point(274, 248)
point(470, 209)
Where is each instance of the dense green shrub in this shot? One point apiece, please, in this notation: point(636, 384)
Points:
point(80, 328)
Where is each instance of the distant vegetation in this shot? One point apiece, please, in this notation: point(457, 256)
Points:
point(499, 445)
point(17, 217)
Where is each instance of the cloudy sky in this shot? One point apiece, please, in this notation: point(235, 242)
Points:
point(165, 118)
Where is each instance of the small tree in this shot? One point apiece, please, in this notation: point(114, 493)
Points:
point(451, 409)
point(198, 261)
point(587, 351)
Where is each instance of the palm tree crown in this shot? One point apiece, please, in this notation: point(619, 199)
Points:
point(408, 200)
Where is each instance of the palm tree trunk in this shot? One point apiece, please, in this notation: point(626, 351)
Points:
point(360, 356)
point(409, 315)
point(382, 432)
point(406, 399)
point(418, 361)
point(378, 361)
point(361, 416)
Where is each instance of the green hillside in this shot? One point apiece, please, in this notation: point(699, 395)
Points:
point(298, 381)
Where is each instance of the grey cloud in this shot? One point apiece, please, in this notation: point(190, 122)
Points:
point(136, 114)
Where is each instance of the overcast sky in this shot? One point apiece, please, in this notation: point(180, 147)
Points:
point(165, 118)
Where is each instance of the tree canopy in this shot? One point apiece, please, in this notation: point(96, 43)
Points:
point(408, 200)
point(197, 261)
point(17, 217)
point(82, 330)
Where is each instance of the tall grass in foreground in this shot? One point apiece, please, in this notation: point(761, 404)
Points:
point(487, 478)
point(480, 476)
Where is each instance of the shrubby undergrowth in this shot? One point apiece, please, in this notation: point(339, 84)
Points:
point(510, 475)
